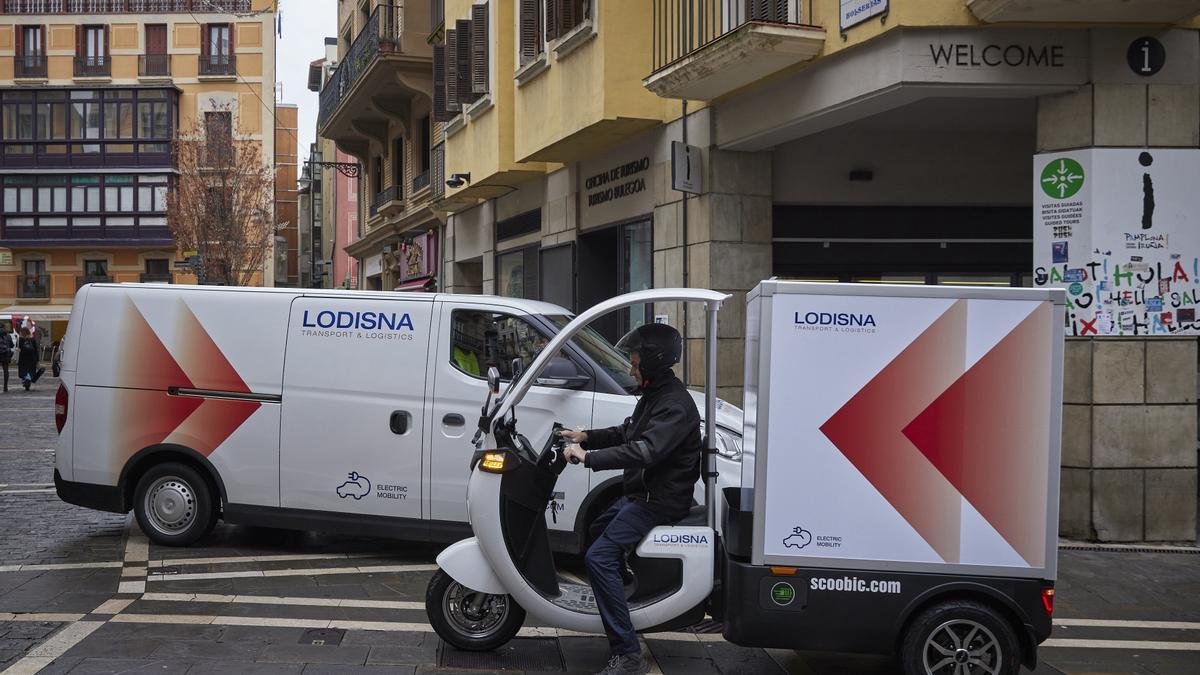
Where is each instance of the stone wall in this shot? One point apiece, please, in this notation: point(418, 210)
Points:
point(1129, 456)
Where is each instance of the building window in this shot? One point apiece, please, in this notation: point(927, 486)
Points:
point(517, 273)
point(562, 16)
point(158, 266)
point(218, 135)
point(95, 268)
point(421, 179)
point(532, 43)
point(55, 127)
point(216, 50)
point(84, 206)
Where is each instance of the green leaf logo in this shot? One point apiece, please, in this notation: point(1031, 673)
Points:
point(1062, 178)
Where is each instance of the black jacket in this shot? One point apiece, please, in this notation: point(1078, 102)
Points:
point(659, 448)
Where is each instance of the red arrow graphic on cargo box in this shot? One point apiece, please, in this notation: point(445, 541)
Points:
point(988, 435)
point(868, 430)
point(145, 414)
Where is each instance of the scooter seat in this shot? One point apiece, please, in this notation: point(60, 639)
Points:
point(696, 517)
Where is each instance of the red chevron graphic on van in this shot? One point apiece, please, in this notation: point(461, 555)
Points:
point(146, 414)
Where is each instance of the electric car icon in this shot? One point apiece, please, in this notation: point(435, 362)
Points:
point(357, 487)
point(799, 538)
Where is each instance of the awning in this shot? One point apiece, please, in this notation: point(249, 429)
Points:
point(423, 284)
point(41, 313)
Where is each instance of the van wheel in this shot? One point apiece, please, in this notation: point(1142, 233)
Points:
point(174, 505)
point(960, 637)
point(469, 620)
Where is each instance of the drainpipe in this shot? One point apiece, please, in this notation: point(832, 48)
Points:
point(684, 217)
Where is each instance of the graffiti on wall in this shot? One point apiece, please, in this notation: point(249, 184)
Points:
point(1119, 230)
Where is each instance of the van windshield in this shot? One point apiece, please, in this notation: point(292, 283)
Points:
point(601, 351)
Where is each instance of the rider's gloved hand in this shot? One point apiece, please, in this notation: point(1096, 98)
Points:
point(573, 436)
point(575, 454)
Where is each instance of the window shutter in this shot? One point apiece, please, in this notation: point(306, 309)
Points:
point(568, 14)
point(451, 57)
point(462, 69)
point(107, 44)
point(43, 46)
point(79, 42)
point(530, 11)
point(439, 83)
point(552, 19)
point(781, 11)
point(205, 40)
point(19, 41)
point(479, 49)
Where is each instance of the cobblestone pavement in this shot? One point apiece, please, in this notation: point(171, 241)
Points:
point(84, 592)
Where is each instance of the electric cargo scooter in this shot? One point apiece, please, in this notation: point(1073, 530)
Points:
point(953, 624)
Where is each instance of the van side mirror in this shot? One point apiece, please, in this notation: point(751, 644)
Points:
point(562, 372)
point(493, 379)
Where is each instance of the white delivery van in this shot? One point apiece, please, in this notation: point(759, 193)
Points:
point(339, 410)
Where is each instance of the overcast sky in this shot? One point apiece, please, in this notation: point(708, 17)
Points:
point(306, 24)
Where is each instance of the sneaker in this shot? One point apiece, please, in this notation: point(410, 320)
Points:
point(627, 664)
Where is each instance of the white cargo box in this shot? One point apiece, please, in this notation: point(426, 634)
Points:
point(904, 428)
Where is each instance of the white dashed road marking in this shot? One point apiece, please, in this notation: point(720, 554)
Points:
point(42, 655)
point(321, 571)
point(1134, 645)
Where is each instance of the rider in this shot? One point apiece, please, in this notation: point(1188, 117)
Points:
point(659, 448)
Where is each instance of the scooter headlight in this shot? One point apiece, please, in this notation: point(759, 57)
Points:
point(493, 462)
point(729, 444)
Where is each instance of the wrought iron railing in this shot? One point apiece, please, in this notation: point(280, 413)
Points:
point(421, 181)
point(148, 278)
point(29, 66)
point(218, 64)
point(154, 65)
point(383, 29)
point(681, 27)
point(388, 194)
point(93, 66)
point(33, 286)
point(123, 6)
point(82, 281)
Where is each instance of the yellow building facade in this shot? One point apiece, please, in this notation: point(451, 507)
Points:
point(625, 144)
point(89, 104)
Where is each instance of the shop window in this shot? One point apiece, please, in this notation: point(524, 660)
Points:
point(637, 269)
point(517, 273)
point(479, 339)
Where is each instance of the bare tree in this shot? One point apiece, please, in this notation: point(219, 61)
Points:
point(221, 203)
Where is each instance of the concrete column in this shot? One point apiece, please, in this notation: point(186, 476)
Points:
point(1129, 460)
point(728, 249)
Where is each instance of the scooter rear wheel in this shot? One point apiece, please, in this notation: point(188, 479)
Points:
point(469, 620)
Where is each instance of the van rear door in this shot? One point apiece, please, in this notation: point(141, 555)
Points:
point(353, 405)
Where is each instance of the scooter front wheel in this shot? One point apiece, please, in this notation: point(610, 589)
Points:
point(470, 620)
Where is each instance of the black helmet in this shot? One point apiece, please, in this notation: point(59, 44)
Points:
point(658, 345)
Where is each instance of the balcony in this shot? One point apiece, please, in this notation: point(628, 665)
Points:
point(93, 66)
point(154, 65)
point(82, 281)
point(377, 78)
point(1092, 11)
point(148, 278)
point(704, 49)
point(123, 6)
point(33, 286)
point(29, 67)
point(218, 65)
point(388, 202)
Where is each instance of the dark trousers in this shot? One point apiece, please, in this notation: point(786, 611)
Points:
point(5, 364)
point(621, 529)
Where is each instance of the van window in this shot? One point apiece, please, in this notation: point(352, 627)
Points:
point(480, 339)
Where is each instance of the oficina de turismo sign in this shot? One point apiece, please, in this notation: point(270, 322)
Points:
point(854, 12)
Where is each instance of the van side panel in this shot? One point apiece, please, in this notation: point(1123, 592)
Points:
point(140, 343)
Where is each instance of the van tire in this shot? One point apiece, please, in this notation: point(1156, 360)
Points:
point(443, 593)
point(174, 504)
point(959, 631)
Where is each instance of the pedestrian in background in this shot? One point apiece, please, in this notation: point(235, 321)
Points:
point(6, 351)
point(27, 359)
